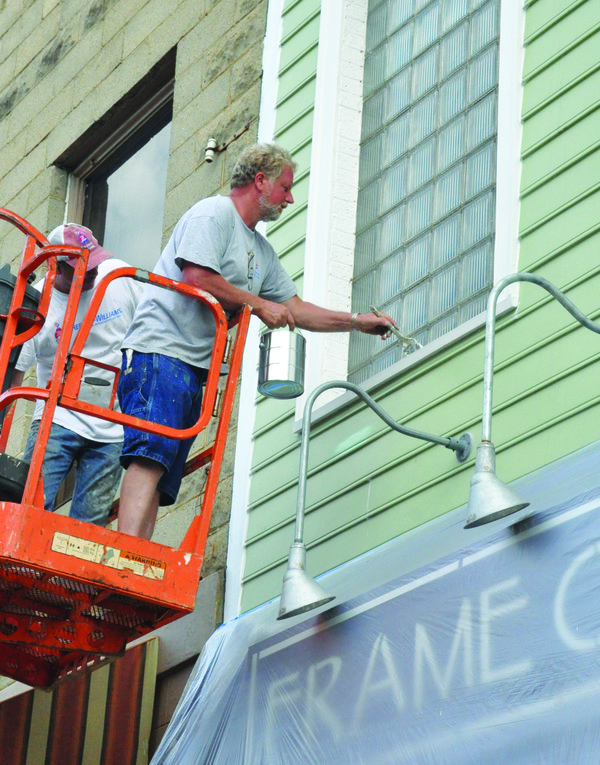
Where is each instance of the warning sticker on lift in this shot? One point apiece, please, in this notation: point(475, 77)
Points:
point(108, 556)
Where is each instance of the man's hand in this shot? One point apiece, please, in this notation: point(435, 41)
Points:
point(274, 315)
point(371, 324)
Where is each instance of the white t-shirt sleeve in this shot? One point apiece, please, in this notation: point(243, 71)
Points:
point(26, 357)
point(203, 241)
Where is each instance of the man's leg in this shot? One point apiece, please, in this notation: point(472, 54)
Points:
point(61, 451)
point(138, 506)
point(168, 392)
point(96, 481)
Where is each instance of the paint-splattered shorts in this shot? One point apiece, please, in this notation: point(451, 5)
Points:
point(166, 391)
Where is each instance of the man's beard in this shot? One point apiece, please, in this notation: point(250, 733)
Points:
point(268, 211)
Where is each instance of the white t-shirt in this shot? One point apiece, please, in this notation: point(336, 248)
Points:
point(210, 234)
point(103, 344)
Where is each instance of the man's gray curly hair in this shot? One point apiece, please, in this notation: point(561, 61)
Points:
point(267, 158)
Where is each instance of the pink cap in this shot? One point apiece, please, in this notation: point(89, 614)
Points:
point(79, 236)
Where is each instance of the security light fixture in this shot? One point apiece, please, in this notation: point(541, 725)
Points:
point(214, 147)
point(209, 151)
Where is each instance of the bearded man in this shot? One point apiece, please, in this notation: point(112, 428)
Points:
point(167, 351)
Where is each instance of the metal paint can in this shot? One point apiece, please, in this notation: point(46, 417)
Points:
point(281, 363)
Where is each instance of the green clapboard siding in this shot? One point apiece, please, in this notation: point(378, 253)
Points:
point(275, 452)
point(366, 483)
point(548, 400)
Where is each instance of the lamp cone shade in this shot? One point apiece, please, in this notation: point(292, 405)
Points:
point(299, 592)
point(489, 498)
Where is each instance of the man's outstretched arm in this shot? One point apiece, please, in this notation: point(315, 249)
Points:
point(317, 319)
point(293, 312)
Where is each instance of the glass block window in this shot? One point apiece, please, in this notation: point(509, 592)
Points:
point(425, 219)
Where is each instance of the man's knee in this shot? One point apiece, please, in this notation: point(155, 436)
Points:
point(145, 464)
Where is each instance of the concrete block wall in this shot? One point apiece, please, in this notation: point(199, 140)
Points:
point(64, 64)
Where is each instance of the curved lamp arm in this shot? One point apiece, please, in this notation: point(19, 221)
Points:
point(462, 445)
point(489, 498)
point(490, 328)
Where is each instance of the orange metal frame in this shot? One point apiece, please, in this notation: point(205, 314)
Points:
point(72, 594)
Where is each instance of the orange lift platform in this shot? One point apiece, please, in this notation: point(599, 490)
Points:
point(73, 594)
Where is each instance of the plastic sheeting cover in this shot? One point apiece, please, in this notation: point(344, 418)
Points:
point(489, 653)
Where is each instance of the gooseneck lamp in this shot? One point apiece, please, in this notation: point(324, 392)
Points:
point(300, 593)
point(489, 498)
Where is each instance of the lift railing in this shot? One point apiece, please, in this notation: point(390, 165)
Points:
point(71, 593)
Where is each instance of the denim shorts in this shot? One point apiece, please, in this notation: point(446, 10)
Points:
point(167, 391)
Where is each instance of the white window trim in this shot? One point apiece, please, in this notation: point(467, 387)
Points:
point(333, 188)
point(333, 185)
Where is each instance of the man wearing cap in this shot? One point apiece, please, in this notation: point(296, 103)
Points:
point(92, 444)
point(214, 246)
